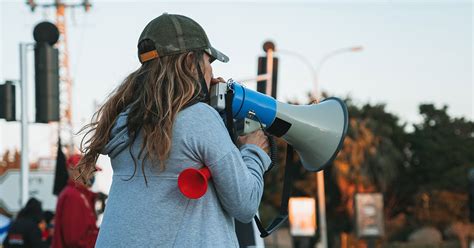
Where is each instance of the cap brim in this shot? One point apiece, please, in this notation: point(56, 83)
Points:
point(216, 54)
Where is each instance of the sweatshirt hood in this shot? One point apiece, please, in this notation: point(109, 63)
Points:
point(119, 138)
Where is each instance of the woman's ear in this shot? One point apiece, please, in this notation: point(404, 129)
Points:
point(190, 57)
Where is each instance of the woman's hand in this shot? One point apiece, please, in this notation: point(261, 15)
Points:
point(217, 80)
point(257, 138)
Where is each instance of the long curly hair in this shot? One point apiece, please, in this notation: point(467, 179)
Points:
point(154, 94)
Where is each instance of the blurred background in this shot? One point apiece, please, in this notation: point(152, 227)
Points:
point(404, 69)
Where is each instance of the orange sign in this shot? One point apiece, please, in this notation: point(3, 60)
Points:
point(302, 214)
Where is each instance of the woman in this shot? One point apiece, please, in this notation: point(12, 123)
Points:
point(155, 125)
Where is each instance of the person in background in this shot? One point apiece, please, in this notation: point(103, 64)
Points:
point(75, 220)
point(48, 231)
point(5, 221)
point(25, 230)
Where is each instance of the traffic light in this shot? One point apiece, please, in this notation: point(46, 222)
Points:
point(46, 35)
point(7, 100)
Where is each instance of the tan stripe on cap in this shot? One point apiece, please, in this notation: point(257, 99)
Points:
point(179, 32)
point(144, 57)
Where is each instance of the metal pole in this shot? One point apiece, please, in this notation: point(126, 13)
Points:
point(322, 209)
point(24, 125)
point(253, 79)
point(269, 71)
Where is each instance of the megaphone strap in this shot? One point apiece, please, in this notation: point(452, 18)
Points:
point(288, 181)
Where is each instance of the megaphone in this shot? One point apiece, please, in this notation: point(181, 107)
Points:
point(315, 131)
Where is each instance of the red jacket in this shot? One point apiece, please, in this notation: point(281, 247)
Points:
point(75, 220)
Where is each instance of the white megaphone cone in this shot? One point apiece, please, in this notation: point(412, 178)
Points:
point(317, 131)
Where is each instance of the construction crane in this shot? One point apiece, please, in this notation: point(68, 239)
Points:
point(65, 79)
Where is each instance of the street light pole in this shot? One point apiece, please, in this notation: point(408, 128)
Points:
point(320, 175)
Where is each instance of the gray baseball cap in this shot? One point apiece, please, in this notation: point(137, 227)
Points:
point(175, 34)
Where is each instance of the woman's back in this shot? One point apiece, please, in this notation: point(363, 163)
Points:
point(157, 214)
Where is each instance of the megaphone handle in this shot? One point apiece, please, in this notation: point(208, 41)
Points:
point(287, 183)
point(273, 152)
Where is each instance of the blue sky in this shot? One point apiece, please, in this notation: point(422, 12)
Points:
point(414, 51)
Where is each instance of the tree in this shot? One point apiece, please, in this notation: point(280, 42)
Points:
point(441, 150)
point(441, 153)
point(380, 155)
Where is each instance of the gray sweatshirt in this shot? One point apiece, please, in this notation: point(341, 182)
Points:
point(158, 215)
